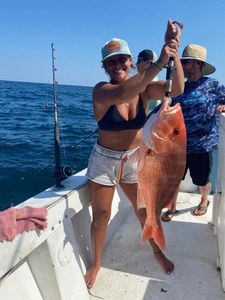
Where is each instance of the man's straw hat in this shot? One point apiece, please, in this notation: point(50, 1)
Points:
point(198, 52)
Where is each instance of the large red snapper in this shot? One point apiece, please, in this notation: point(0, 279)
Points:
point(161, 165)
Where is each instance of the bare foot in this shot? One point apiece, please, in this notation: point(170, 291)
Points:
point(90, 276)
point(164, 262)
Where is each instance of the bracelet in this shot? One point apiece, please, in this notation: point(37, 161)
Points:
point(157, 65)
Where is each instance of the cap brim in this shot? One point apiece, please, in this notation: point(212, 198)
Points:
point(116, 53)
point(208, 69)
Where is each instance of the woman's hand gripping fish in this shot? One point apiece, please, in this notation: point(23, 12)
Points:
point(161, 165)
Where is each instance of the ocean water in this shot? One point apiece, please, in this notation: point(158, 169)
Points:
point(27, 136)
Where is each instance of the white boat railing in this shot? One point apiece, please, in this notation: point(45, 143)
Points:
point(219, 201)
point(50, 264)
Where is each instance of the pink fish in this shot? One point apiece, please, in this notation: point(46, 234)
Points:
point(161, 165)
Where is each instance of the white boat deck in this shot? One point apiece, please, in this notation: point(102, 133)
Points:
point(130, 271)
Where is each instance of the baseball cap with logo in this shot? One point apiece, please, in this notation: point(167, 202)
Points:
point(115, 47)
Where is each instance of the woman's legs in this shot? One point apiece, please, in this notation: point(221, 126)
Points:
point(130, 191)
point(101, 201)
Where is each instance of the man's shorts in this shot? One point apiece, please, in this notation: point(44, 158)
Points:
point(200, 166)
point(108, 167)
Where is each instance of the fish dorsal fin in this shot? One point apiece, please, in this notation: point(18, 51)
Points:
point(134, 157)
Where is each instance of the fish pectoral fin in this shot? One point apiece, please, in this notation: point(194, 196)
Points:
point(140, 201)
point(140, 204)
point(155, 233)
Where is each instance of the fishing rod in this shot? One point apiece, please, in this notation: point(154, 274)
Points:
point(60, 172)
point(169, 77)
point(170, 69)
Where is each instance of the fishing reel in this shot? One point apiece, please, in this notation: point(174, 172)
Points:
point(66, 172)
point(62, 173)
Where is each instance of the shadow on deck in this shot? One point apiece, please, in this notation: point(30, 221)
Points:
point(130, 271)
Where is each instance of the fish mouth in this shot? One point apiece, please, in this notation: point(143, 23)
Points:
point(166, 108)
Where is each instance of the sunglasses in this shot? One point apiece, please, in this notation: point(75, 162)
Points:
point(185, 61)
point(118, 61)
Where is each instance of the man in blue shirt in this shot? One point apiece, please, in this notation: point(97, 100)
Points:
point(203, 97)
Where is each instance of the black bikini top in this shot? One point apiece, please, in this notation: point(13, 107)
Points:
point(113, 121)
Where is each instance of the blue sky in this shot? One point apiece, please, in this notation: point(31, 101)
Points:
point(80, 28)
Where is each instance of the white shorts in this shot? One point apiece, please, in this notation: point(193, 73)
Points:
point(109, 167)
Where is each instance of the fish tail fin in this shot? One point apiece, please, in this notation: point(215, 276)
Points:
point(156, 234)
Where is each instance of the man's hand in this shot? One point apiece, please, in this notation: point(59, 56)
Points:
point(220, 109)
point(172, 32)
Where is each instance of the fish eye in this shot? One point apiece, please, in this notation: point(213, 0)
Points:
point(176, 131)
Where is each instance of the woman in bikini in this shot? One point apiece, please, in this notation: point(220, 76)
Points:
point(119, 108)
